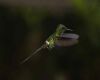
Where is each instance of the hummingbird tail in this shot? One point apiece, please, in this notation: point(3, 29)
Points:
point(39, 49)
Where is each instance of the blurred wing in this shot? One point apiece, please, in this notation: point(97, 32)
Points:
point(70, 36)
point(67, 39)
point(66, 43)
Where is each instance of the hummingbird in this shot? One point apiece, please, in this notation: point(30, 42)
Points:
point(53, 40)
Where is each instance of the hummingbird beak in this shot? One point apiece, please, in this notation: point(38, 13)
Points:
point(67, 29)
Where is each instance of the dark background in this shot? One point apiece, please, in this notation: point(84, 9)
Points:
point(24, 28)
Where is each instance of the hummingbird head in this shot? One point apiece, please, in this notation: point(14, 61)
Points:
point(63, 28)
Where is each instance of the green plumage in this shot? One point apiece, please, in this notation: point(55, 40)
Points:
point(50, 42)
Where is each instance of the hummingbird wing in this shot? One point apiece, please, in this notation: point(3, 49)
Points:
point(67, 39)
point(70, 35)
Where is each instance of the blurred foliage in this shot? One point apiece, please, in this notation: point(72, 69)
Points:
point(90, 10)
point(24, 29)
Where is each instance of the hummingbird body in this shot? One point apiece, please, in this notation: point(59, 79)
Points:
point(51, 41)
